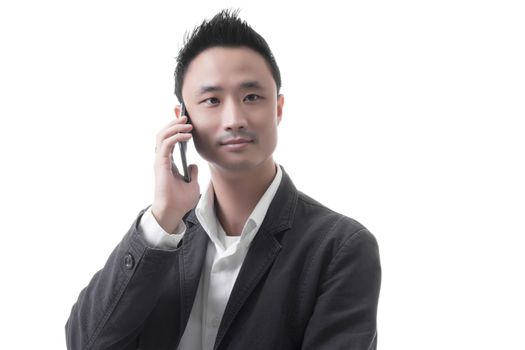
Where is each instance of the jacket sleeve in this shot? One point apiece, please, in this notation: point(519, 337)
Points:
point(110, 311)
point(344, 316)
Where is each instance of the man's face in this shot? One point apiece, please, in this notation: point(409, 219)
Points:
point(230, 94)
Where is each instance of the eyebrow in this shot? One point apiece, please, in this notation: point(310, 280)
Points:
point(250, 84)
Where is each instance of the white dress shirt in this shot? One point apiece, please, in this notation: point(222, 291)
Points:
point(224, 257)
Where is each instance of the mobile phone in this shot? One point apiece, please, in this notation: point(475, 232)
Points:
point(183, 147)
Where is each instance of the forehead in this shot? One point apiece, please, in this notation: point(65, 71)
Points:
point(226, 67)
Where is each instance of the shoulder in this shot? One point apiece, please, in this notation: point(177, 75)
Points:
point(332, 246)
point(329, 229)
point(310, 210)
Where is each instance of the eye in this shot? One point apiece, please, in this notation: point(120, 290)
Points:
point(252, 97)
point(211, 101)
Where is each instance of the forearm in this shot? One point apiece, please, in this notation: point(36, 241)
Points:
point(111, 309)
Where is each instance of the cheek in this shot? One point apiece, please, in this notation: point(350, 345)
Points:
point(200, 137)
point(268, 135)
point(203, 137)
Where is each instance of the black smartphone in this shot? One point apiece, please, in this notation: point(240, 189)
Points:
point(183, 147)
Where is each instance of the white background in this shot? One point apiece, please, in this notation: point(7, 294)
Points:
point(404, 115)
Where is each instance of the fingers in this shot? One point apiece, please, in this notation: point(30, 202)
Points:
point(181, 120)
point(165, 148)
point(173, 132)
point(173, 123)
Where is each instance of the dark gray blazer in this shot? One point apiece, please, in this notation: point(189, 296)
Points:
point(310, 280)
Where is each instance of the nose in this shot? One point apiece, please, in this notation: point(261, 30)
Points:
point(233, 118)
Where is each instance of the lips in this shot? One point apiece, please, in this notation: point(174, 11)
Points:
point(236, 141)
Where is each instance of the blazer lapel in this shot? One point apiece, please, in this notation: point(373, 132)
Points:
point(262, 252)
point(191, 260)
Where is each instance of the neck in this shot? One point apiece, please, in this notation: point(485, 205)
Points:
point(237, 194)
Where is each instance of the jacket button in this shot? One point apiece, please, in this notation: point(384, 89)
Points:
point(129, 262)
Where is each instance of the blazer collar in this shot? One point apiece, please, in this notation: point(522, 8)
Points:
point(281, 212)
point(262, 252)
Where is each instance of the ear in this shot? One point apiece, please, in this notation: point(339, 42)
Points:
point(177, 110)
point(280, 103)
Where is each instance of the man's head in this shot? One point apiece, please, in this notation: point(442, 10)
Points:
point(229, 82)
point(225, 29)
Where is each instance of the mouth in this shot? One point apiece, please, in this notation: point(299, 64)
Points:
point(237, 144)
point(236, 141)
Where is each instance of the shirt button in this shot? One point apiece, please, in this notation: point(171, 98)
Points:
point(129, 262)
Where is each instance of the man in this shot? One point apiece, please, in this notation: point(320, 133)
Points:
point(253, 263)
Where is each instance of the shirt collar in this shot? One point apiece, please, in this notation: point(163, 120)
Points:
point(205, 211)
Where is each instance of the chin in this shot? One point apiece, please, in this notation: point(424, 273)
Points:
point(235, 162)
point(241, 164)
point(237, 166)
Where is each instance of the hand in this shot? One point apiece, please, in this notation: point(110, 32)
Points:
point(173, 196)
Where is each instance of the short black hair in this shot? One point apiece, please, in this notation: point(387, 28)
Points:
point(225, 29)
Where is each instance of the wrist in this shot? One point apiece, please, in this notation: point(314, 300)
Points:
point(166, 218)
